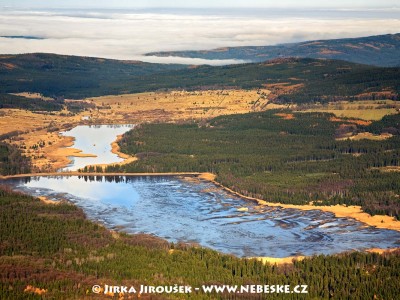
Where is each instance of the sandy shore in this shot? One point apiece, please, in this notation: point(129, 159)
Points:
point(382, 251)
point(279, 261)
point(340, 211)
point(45, 200)
point(117, 150)
point(291, 259)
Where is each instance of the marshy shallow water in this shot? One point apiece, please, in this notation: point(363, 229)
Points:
point(196, 211)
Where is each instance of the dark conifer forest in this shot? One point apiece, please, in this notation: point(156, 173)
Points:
point(11, 160)
point(54, 249)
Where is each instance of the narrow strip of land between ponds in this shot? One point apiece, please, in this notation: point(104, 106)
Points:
point(76, 173)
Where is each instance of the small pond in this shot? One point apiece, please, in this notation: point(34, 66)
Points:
point(96, 140)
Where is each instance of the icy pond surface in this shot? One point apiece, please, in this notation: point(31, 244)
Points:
point(195, 211)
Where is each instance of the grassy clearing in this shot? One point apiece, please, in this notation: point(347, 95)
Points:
point(178, 105)
point(372, 110)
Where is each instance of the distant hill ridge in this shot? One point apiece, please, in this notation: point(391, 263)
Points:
point(291, 80)
point(379, 50)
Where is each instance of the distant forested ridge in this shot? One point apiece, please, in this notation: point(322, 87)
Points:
point(72, 76)
point(35, 104)
point(294, 160)
point(292, 80)
point(380, 50)
point(53, 252)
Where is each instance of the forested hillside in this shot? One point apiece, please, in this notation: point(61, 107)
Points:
point(38, 104)
point(291, 159)
point(380, 50)
point(72, 76)
point(53, 252)
point(35, 104)
point(12, 161)
point(291, 80)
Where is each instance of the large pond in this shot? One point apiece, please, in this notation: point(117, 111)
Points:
point(195, 211)
point(96, 140)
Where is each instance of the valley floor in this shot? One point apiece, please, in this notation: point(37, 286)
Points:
point(37, 133)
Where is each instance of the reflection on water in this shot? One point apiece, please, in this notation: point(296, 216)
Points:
point(95, 139)
point(181, 210)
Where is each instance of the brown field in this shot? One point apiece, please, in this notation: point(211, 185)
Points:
point(326, 51)
point(34, 131)
point(33, 96)
point(354, 121)
point(388, 169)
point(283, 88)
point(22, 120)
point(285, 116)
point(368, 136)
point(369, 110)
point(177, 105)
point(7, 66)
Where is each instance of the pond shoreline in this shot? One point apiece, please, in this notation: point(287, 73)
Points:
point(340, 211)
point(209, 178)
point(82, 144)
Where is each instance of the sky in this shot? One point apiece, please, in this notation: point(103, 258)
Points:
point(202, 3)
point(101, 29)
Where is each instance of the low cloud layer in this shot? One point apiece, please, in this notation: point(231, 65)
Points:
point(128, 35)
